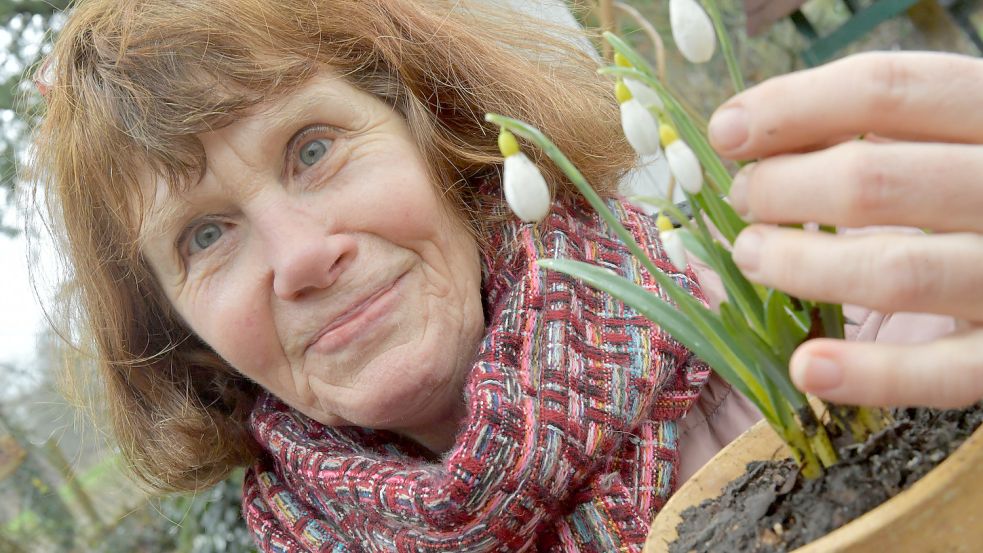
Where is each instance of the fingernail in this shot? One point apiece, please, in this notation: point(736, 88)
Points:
point(747, 251)
point(728, 129)
point(816, 374)
point(738, 193)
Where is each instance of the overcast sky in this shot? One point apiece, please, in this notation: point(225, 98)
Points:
point(20, 315)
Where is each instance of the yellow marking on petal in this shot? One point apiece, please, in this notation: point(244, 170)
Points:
point(621, 61)
point(507, 144)
point(663, 223)
point(667, 135)
point(621, 92)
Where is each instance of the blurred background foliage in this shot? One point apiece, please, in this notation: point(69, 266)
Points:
point(62, 487)
point(26, 24)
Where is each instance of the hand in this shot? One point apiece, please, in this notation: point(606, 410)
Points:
point(925, 169)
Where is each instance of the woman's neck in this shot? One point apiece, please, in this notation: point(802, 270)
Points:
point(439, 436)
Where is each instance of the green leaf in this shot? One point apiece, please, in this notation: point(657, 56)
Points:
point(721, 213)
point(667, 207)
point(722, 353)
point(726, 46)
point(833, 320)
point(694, 244)
point(739, 290)
point(785, 332)
point(767, 366)
point(668, 317)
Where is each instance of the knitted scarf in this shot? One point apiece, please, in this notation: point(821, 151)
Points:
point(570, 439)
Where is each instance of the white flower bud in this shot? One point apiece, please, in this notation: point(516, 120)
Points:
point(685, 166)
point(692, 30)
point(525, 189)
point(641, 128)
point(672, 244)
point(644, 94)
point(650, 178)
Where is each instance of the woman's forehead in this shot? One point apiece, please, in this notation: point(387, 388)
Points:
point(325, 90)
point(325, 97)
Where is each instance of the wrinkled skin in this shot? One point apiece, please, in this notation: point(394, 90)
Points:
point(317, 259)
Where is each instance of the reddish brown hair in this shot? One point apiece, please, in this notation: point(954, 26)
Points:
point(136, 80)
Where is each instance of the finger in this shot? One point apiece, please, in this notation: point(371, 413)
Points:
point(945, 373)
point(856, 184)
point(941, 273)
point(915, 95)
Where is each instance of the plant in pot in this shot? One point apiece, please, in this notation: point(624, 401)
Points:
point(844, 460)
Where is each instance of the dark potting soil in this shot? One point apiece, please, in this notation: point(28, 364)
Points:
point(771, 509)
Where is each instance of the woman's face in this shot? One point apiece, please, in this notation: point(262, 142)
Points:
point(316, 258)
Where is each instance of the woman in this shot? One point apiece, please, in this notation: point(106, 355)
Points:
point(290, 246)
point(291, 251)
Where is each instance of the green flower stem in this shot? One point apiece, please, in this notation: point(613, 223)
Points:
point(831, 315)
point(667, 207)
point(874, 419)
point(726, 46)
point(817, 436)
point(847, 419)
point(795, 438)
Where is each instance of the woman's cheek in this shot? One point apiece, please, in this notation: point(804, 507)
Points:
point(222, 308)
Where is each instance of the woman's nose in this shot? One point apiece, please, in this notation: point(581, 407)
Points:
point(305, 255)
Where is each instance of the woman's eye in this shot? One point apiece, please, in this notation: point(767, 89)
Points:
point(311, 152)
point(204, 236)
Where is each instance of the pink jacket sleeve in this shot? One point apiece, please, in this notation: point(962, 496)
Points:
point(721, 413)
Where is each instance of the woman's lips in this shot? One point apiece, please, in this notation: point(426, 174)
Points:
point(357, 321)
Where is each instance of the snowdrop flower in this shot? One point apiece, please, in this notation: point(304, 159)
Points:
point(640, 126)
point(692, 30)
point(683, 163)
point(525, 189)
point(640, 91)
point(651, 178)
point(672, 244)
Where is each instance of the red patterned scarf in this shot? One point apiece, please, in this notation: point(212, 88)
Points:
point(570, 439)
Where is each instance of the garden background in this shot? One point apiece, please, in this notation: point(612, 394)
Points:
point(62, 487)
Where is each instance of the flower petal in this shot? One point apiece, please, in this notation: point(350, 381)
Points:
point(650, 178)
point(645, 95)
point(685, 166)
point(641, 128)
point(673, 246)
point(525, 188)
point(692, 30)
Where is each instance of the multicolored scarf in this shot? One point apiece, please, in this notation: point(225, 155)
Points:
point(570, 439)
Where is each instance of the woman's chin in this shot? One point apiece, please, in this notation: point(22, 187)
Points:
point(401, 398)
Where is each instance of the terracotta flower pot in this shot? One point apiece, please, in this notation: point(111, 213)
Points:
point(942, 512)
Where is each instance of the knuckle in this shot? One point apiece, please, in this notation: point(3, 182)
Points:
point(905, 278)
point(868, 183)
point(889, 79)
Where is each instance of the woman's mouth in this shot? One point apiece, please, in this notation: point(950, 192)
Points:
point(358, 321)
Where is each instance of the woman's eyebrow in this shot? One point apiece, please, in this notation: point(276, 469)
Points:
point(161, 219)
point(296, 106)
